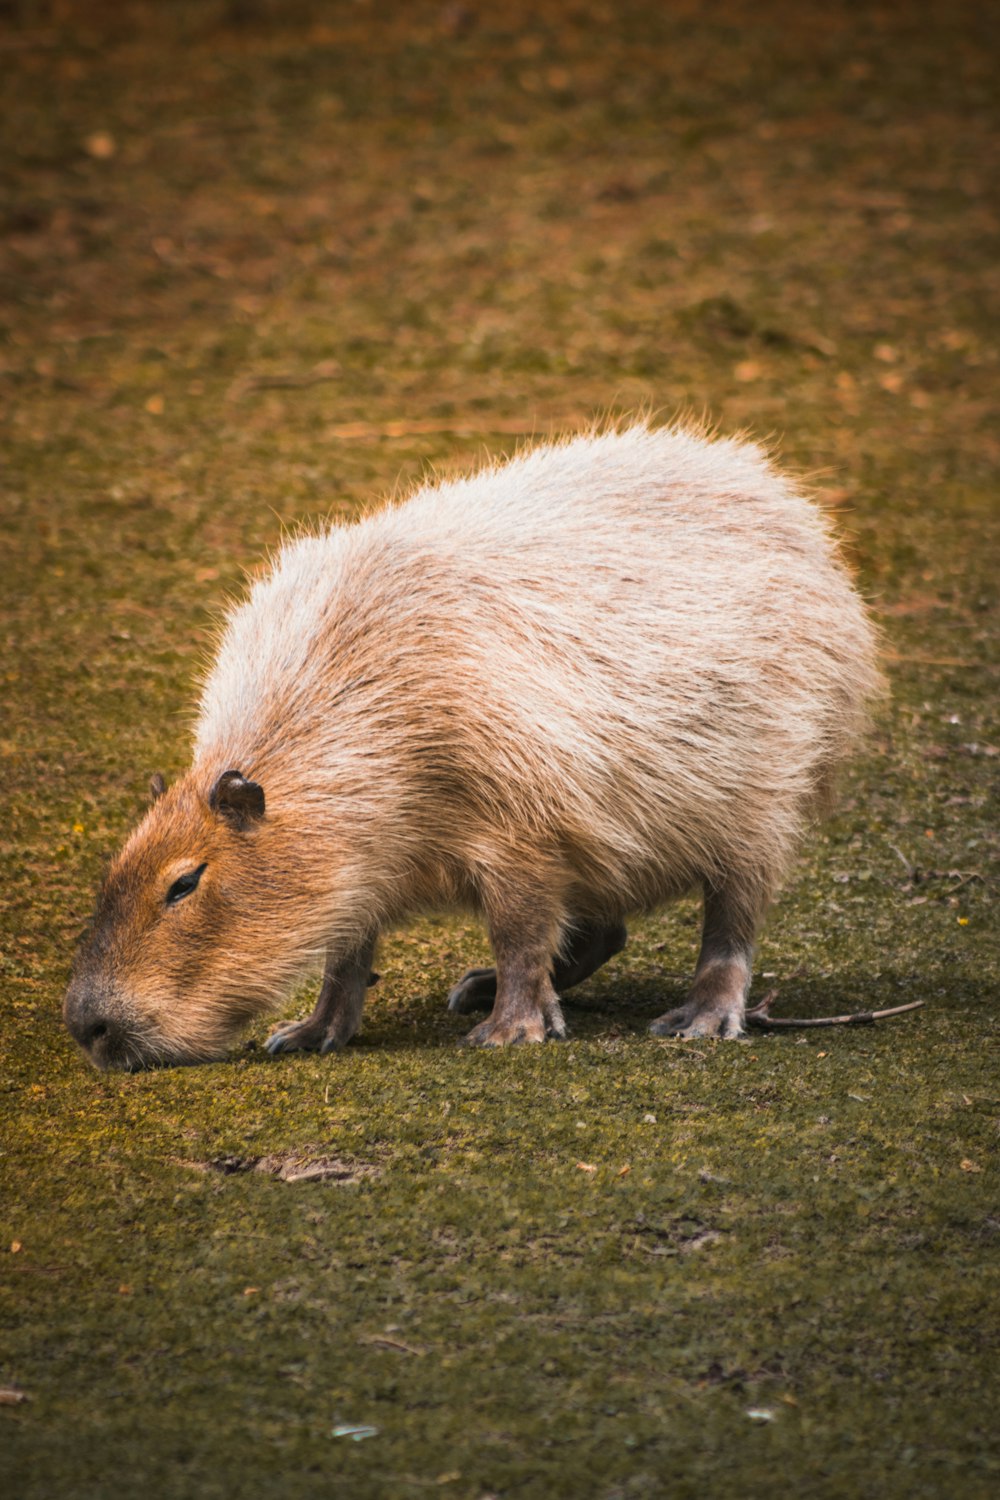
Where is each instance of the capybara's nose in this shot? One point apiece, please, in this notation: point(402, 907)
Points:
point(88, 1020)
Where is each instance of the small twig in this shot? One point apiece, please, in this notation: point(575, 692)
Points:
point(281, 381)
point(761, 1016)
point(383, 1341)
point(906, 863)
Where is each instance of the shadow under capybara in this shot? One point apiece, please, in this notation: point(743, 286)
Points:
point(562, 691)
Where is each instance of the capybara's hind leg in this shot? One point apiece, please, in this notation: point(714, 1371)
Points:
point(525, 936)
point(589, 947)
point(476, 990)
point(716, 1004)
point(338, 1009)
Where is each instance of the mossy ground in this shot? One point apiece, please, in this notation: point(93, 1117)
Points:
point(262, 262)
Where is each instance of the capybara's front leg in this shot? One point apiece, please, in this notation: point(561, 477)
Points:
point(716, 1003)
point(525, 937)
point(338, 1009)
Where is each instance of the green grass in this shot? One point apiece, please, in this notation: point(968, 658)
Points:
point(264, 262)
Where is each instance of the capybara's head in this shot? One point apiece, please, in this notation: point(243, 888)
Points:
point(186, 942)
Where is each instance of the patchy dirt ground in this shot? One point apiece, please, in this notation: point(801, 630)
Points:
point(261, 262)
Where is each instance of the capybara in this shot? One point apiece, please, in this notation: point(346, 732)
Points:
point(560, 692)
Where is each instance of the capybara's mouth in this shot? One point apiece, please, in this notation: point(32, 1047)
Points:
point(111, 1048)
point(115, 1047)
point(133, 1060)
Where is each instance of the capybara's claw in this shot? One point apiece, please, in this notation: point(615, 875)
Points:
point(298, 1038)
point(275, 1043)
point(491, 1033)
point(691, 1021)
point(498, 1032)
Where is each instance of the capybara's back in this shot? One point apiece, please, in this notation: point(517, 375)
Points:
point(561, 691)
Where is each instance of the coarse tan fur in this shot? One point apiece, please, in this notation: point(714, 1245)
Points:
point(564, 690)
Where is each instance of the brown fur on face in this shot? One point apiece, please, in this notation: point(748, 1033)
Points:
point(164, 976)
point(564, 690)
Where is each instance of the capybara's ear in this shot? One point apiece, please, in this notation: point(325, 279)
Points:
point(157, 786)
point(236, 798)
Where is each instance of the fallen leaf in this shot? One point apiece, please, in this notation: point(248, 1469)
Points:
point(155, 406)
point(584, 1166)
point(970, 1166)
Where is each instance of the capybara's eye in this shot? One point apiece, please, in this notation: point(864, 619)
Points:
point(184, 885)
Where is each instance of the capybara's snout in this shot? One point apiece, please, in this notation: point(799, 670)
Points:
point(95, 1023)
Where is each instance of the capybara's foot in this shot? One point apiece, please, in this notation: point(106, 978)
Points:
point(723, 1018)
point(509, 1031)
point(476, 990)
point(505, 1033)
point(338, 1008)
point(305, 1036)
